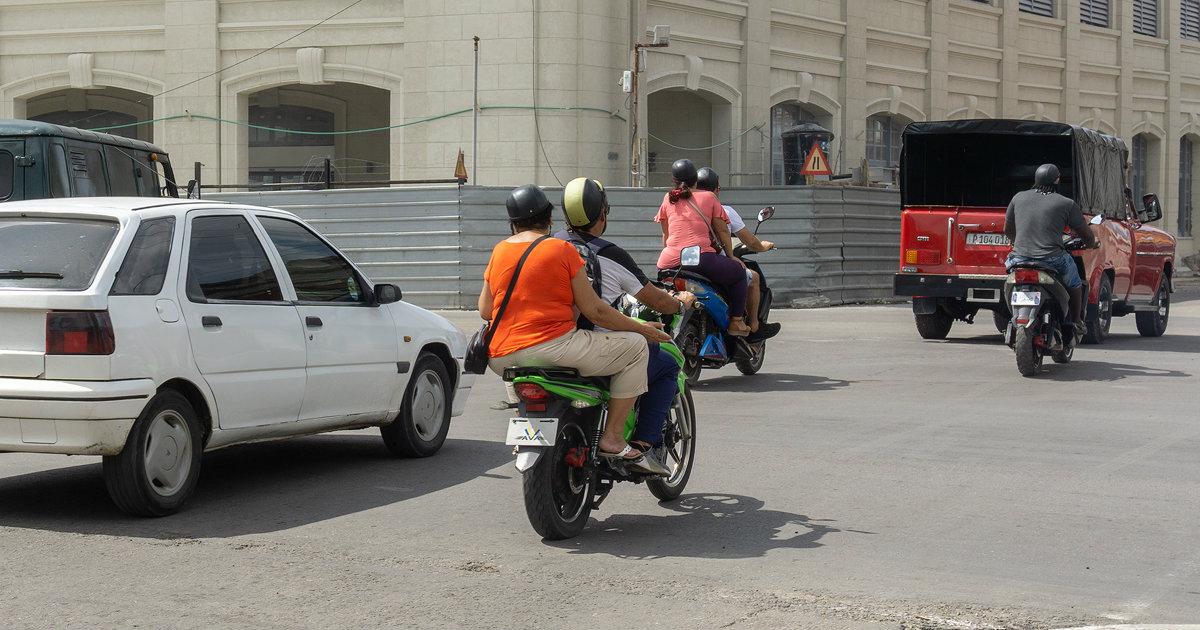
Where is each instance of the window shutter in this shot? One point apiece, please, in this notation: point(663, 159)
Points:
point(1190, 20)
point(1038, 7)
point(1145, 17)
point(1094, 12)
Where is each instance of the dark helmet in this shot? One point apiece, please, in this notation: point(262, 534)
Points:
point(706, 179)
point(526, 202)
point(1046, 175)
point(683, 171)
point(584, 201)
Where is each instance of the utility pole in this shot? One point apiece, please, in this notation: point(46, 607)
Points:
point(662, 35)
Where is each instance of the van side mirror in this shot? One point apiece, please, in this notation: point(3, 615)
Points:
point(192, 193)
point(690, 256)
point(386, 293)
point(1152, 210)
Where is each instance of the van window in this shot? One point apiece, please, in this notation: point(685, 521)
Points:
point(149, 176)
point(120, 171)
point(6, 174)
point(60, 186)
point(145, 265)
point(87, 171)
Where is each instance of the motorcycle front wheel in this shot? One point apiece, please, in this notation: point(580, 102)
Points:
point(689, 342)
point(755, 363)
point(557, 493)
point(1028, 357)
point(678, 450)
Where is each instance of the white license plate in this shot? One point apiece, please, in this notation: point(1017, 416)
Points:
point(1026, 298)
point(986, 238)
point(531, 431)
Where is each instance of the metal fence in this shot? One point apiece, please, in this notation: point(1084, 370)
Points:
point(835, 242)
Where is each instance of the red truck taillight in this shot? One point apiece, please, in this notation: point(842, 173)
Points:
point(922, 256)
point(79, 332)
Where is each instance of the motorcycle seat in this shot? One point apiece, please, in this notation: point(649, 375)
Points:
point(1040, 266)
point(555, 373)
point(667, 274)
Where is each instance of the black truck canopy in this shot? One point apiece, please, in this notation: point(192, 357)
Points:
point(984, 163)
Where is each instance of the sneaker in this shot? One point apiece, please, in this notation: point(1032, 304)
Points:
point(765, 331)
point(649, 463)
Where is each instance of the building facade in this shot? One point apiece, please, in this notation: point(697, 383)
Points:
point(264, 90)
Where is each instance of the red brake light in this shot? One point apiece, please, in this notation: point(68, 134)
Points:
point(1026, 276)
point(680, 284)
point(531, 392)
point(79, 332)
point(922, 256)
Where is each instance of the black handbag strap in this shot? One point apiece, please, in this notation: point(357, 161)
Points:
point(487, 342)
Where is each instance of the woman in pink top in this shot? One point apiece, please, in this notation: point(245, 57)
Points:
point(686, 216)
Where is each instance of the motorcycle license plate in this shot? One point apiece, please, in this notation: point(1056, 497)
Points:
point(531, 431)
point(1026, 298)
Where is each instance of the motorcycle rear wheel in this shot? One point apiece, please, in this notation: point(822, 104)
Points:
point(678, 450)
point(1028, 357)
point(557, 494)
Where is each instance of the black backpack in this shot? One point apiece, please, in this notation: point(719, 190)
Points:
point(588, 251)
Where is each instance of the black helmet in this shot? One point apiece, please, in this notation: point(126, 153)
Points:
point(526, 202)
point(683, 171)
point(1046, 175)
point(584, 202)
point(706, 179)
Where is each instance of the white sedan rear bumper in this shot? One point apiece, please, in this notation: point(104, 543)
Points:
point(69, 417)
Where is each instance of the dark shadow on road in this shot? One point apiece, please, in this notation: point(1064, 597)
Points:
point(702, 526)
point(251, 489)
point(1099, 371)
point(769, 382)
point(1166, 343)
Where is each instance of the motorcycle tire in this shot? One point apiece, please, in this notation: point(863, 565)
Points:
point(690, 339)
point(1028, 357)
point(753, 365)
point(558, 496)
point(678, 451)
point(1064, 355)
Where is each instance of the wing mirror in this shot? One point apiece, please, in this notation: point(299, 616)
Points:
point(690, 256)
point(766, 213)
point(1152, 210)
point(387, 293)
point(1097, 220)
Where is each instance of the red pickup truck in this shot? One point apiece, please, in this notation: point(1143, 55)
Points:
point(956, 179)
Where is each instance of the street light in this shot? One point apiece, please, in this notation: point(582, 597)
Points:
point(629, 83)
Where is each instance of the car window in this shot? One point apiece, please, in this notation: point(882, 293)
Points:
point(226, 262)
point(47, 253)
point(120, 171)
point(6, 174)
point(145, 265)
point(318, 272)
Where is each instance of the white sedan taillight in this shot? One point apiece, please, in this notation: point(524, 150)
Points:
point(79, 332)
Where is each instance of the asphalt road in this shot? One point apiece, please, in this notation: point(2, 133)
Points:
point(864, 479)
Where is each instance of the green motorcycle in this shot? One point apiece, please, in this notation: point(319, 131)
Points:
point(556, 432)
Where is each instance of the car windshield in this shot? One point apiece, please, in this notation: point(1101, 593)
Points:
point(53, 253)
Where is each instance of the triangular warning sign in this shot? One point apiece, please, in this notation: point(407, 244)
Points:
point(815, 163)
point(460, 169)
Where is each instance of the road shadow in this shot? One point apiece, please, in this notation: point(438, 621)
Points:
point(1100, 371)
point(769, 382)
point(251, 489)
point(1166, 343)
point(702, 526)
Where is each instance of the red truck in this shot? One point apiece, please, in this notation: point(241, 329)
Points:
point(956, 179)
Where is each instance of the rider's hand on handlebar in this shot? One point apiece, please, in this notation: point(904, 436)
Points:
point(687, 297)
point(768, 245)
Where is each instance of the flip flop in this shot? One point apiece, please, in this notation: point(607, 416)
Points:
point(623, 454)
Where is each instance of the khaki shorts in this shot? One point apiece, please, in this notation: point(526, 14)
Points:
point(622, 355)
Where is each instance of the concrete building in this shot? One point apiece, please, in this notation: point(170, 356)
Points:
point(386, 87)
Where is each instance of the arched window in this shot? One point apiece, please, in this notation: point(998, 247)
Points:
point(883, 140)
point(1137, 171)
point(788, 117)
point(1187, 165)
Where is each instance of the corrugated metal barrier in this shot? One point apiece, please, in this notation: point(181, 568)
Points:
point(835, 242)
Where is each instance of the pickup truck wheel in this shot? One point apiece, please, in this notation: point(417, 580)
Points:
point(420, 428)
point(1154, 323)
point(935, 325)
point(1000, 319)
point(1098, 328)
point(158, 469)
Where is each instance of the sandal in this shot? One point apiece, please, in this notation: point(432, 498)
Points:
point(625, 453)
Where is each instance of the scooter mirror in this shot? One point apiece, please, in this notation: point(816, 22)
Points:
point(766, 213)
point(1097, 220)
point(690, 256)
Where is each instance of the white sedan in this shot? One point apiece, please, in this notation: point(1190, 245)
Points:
point(150, 330)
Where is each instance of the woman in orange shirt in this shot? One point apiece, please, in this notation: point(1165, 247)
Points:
point(538, 327)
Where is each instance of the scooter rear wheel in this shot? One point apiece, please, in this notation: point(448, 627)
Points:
point(558, 494)
point(1028, 357)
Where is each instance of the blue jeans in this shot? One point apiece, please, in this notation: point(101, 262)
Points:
point(655, 404)
point(1064, 265)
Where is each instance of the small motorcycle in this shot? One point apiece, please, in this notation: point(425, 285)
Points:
point(702, 332)
point(1039, 304)
point(556, 434)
